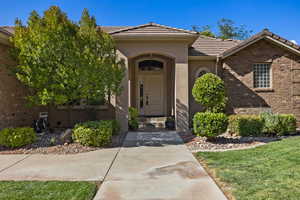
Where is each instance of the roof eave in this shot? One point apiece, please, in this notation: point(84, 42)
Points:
point(265, 34)
point(158, 37)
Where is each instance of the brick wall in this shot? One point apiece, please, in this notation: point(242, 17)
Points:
point(13, 109)
point(238, 77)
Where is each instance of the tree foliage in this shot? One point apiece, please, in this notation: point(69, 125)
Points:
point(61, 61)
point(226, 29)
point(204, 30)
point(209, 91)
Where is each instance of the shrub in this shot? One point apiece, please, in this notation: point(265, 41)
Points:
point(209, 124)
point(133, 118)
point(209, 91)
point(115, 126)
point(17, 137)
point(93, 133)
point(245, 125)
point(278, 124)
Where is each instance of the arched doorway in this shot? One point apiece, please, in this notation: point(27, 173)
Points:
point(150, 88)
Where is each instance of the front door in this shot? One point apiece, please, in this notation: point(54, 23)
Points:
point(151, 96)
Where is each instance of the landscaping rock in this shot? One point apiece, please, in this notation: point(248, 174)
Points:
point(224, 142)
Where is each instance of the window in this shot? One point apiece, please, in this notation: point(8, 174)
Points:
point(261, 75)
point(150, 65)
point(200, 72)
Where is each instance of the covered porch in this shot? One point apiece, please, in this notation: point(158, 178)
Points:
point(156, 82)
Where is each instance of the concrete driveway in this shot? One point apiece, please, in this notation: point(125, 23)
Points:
point(157, 165)
point(90, 166)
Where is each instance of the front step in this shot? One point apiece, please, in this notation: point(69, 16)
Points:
point(152, 122)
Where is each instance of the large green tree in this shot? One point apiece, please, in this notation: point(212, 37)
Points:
point(61, 61)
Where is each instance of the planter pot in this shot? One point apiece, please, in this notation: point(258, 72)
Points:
point(170, 125)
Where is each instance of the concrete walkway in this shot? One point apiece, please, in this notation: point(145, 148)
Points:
point(90, 166)
point(157, 166)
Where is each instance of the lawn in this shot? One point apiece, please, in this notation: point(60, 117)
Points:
point(54, 190)
point(269, 172)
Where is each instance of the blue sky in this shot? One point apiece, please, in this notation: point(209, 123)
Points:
point(281, 17)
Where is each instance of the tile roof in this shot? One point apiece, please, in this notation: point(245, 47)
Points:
point(261, 35)
point(152, 28)
point(203, 46)
point(207, 46)
point(8, 30)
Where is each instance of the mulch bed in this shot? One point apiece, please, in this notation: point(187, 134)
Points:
point(51, 143)
point(224, 142)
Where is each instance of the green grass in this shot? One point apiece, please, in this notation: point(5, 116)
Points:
point(54, 190)
point(269, 172)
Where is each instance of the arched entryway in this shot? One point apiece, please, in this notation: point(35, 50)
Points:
point(152, 85)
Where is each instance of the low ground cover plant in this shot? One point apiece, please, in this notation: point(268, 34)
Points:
point(17, 137)
point(263, 124)
point(95, 133)
point(209, 124)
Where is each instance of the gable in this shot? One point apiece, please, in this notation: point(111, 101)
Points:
point(153, 29)
point(264, 35)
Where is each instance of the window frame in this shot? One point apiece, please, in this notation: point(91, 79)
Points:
point(200, 69)
point(270, 76)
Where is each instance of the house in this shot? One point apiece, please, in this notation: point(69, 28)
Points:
point(162, 63)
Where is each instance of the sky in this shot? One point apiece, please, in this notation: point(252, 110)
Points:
point(279, 16)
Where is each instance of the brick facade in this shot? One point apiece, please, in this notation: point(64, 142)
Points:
point(238, 77)
point(14, 109)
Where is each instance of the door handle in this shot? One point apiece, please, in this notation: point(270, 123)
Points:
point(147, 100)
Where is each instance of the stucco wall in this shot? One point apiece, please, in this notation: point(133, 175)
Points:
point(194, 66)
point(238, 76)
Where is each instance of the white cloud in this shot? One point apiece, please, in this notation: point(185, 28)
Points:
point(294, 41)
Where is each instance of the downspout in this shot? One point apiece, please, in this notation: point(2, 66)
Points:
point(216, 66)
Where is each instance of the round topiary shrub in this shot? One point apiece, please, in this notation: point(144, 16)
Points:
point(17, 137)
point(209, 124)
point(209, 91)
point(93, 133)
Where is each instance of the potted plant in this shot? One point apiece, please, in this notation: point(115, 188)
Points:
point(170, 123)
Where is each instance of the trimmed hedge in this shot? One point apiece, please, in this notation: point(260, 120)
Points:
point(95, 133)
point(245, 125)
point(263, 124)
point(209, 124)
point(279, 124)
point(17, 137)
point(209, 91)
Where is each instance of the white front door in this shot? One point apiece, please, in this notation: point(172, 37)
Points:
point(150, 98)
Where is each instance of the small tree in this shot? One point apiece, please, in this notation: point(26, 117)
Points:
point(209, 91)
point(62, 62)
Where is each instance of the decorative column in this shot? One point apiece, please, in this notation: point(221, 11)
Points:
point(182, 96)
point(121, 101)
